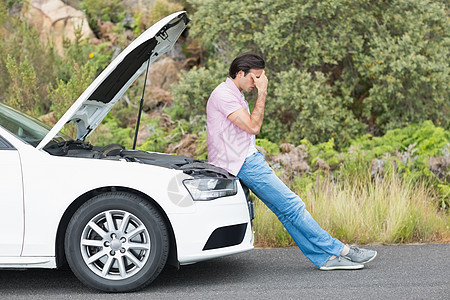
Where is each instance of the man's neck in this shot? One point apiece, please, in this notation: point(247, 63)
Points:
point(236, 84)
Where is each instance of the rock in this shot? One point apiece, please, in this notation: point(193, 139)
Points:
point(286, 148)
point(105, 28)
point(292, 159)
point(163, 73)
point(195, 53)
point(157, 99)
point(440, 166)
point(53, 19)
point(186, 146)
point(322, 165)
point(377, 168)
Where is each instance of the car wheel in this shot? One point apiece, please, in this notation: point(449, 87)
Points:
point(116, 242)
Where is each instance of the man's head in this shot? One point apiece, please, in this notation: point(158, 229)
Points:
point(245, 62)
point(243, 65)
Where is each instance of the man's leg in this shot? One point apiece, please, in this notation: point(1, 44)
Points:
point(317, 244)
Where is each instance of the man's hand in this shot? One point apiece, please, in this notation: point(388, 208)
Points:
point(251, 123)
point(261, 82)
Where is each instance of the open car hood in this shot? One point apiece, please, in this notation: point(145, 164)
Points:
point(98, 99)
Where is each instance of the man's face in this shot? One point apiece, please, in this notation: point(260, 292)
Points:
point(246, 83)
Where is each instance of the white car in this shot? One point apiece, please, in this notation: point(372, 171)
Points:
point(116, 216)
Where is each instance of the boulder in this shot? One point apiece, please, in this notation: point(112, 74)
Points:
point(163, 73)
point(186, 147)
point(55, 20)
point(157, 99)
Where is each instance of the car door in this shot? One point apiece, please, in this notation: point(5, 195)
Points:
point(11, 200)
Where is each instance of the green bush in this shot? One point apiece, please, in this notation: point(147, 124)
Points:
point(335, 68)
point(102, 11)
point(161, 9)
point(194, 89)
point(407, 152)
point(403, 198)
point(269, 147)
point(35, 78)
point(64, 94)
point(23, 87)
point(27, 66)
point(303, 106)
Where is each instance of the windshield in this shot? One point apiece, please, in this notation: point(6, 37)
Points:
point(26, 128)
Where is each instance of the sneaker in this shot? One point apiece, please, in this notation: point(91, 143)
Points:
point(360, 255)
point(340, 263)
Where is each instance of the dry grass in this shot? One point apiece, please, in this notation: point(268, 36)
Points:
point(363, 211)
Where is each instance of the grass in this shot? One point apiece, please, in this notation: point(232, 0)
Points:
point(362, 211)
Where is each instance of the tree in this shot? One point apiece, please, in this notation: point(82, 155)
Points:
point(336, 68)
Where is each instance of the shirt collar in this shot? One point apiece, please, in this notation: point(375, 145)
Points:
point(230, 84)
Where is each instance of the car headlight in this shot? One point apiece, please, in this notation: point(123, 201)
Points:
point(202, 189)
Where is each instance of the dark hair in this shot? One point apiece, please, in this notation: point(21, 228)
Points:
point(245, 62)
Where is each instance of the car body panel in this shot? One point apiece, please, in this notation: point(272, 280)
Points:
point(11, 203)
point(43, 186)
point(86, 177)
point(27, 262)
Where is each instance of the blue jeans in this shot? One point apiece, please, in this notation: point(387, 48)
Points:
point(317, 244)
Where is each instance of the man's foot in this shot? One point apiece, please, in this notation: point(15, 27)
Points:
point(360, 255)
point(340, 263)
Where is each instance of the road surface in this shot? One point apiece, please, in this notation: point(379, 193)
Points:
point(398, 272)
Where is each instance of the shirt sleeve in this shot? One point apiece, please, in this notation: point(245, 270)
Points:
point(227, 103)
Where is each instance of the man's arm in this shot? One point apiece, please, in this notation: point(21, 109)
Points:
point(251, 123)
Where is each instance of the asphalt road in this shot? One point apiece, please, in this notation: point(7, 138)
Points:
point(399, 272)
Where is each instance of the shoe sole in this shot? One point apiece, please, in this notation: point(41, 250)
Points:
point(370, 259)
point(357, 267)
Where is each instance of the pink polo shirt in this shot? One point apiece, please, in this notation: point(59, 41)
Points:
point(227, 143)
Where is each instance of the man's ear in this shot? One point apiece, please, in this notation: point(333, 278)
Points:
point(240, 74)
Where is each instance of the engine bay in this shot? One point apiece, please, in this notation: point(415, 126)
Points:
point(80, 149)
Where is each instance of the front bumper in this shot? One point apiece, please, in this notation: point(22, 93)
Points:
point(219, 227)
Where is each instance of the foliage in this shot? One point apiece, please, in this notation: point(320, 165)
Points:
point(161, 9)
point(324, 151)
point(347, 79)
point(404, 198)
point(408, 152)
point(102, 11)
point(303, 105)
point(202, 149)
point(80, 51)
point(27, 67)
point(65, 93)
point(111, 131)
point(337, 68)
point(157, 141)
point(194, 89)
point(389, 210)
point(269, 147)
point(23, 86)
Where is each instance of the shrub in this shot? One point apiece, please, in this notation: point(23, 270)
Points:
point(64, 94)
point(192, 92)
point(403, 198)
point(103, 11)
point(336, 68)
point(27, 66)
point(23, 86)
point(161, 9)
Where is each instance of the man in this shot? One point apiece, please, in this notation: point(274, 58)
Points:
point(231, 130)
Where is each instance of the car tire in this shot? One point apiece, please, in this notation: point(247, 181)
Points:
point(116, 242)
